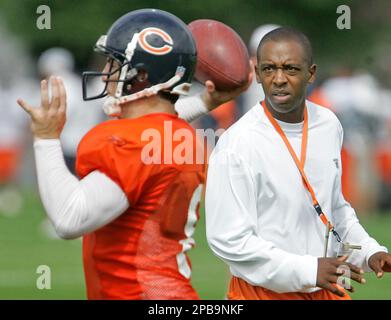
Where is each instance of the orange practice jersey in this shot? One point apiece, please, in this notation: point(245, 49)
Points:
point(142, 253)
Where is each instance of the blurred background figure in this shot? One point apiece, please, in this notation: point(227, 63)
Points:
point(15, 79)
point(383, 163)
point(362, 106)
point(254, 93)
point(81, 115)
point(12, 139)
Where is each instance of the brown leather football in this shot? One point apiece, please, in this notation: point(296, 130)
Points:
point(222, 55)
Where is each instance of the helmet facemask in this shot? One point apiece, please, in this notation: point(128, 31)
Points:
point(118, 63)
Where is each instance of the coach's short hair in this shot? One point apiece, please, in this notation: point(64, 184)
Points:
point(286, 33)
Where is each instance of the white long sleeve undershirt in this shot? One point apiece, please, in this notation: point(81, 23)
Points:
point(76, 207)
point(191, 108)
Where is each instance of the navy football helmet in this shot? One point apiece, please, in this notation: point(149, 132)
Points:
point(155, 52)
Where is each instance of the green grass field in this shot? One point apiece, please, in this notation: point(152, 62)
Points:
point(24, 247)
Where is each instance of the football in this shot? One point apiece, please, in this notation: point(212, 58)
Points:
point(222, 55)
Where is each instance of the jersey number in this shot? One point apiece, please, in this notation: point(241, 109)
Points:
point(188, 243)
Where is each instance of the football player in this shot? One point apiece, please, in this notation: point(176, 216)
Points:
point(136, 216)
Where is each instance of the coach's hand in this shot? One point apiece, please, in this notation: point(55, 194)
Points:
point(330, 269)
point(380, 262)
point(214, 98)
point(47, 121)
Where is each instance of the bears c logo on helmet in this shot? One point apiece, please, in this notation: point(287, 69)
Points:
point(143, 42)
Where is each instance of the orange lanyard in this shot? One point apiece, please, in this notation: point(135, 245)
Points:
point(300, 164)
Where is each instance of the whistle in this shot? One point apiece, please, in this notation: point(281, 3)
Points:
point(345, 249)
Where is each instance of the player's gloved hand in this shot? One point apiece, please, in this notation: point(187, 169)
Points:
point(213, 98)
point(48, 120)
point(380, 262)
point(331, 269)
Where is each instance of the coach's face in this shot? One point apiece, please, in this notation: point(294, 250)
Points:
point(284, 72)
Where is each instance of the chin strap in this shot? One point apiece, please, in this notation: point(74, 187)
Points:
point(111, 107)
point(129, 52)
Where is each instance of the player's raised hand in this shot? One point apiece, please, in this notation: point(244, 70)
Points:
point(380, 262)
point(214, 98)
point(331, 269)
point(47, 121)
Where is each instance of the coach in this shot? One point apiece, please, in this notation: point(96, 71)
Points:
point(274, 186)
